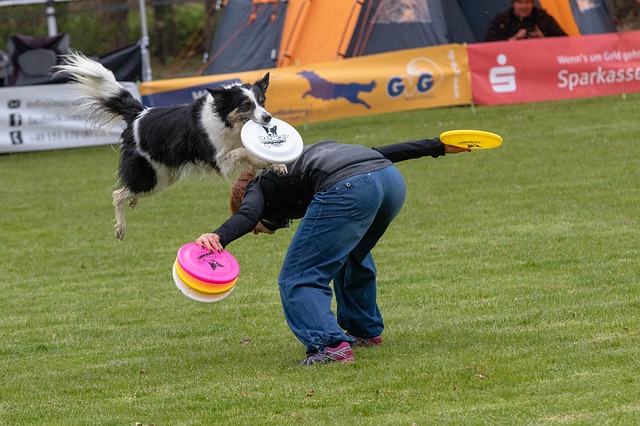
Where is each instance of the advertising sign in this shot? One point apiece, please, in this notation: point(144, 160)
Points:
point(34, 118)
point(555, 68)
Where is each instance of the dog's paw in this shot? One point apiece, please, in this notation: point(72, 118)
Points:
point(119, 231)
point(280, 169)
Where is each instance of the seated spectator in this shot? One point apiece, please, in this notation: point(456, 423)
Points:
point(523, 20)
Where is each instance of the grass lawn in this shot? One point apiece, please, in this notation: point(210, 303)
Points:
point(509, 285)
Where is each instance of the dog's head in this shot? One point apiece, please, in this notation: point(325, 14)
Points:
point(238, 104)
point(271, 131)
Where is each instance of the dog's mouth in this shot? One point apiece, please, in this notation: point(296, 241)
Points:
point(243, 117)
point(262, 122)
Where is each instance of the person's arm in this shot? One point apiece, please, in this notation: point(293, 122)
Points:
point(412, 149)
point(241, 223)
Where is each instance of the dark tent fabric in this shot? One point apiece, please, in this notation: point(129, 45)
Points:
point(593, 17)
point(32, 57)
point(458, 25)
point(126, 63)
point(385, 26)
point(477, 14)
point(248, 36)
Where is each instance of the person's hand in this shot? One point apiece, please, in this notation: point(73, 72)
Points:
point(520, 35)
point(452, 149)
point(536, 33)
point(210, 242)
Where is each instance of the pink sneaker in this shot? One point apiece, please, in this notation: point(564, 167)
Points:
point(341, 353)
point(365, 342)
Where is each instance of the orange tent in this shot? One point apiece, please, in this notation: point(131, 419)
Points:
point(317, 31)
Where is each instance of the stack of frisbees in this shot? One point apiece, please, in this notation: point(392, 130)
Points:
point(203, 275)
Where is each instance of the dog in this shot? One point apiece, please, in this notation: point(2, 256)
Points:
point(161, 145)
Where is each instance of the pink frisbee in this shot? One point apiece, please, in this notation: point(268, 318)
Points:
point(210, 267)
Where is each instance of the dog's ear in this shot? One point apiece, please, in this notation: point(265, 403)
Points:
point(263, 83)
point(219, 93)
point(215, 91)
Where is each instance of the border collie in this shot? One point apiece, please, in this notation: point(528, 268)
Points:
point(161, 145)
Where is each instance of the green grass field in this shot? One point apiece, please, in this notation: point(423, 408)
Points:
point(509, 285)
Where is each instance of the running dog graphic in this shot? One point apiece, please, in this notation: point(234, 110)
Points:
point(326, 90)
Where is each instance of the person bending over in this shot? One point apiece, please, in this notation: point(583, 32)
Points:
point(346, 196)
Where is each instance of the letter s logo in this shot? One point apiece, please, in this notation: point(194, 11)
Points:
point(503, 77)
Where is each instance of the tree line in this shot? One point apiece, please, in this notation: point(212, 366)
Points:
point(97, 27)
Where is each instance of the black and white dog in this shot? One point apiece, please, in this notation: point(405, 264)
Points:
point(163, 144)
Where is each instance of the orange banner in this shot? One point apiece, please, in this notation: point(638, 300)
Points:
point(404, 80)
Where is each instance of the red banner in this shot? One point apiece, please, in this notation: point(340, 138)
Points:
point(555, 68)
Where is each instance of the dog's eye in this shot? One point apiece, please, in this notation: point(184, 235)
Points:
point(245, 106)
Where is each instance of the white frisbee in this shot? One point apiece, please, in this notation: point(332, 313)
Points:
point(278, 142)
point(194, 294)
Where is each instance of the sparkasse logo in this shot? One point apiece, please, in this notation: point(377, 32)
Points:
point(503, 77)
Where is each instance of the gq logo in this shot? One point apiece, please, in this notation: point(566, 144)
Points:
point(423, 75)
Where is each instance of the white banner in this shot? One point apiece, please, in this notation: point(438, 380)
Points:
point(36, 118)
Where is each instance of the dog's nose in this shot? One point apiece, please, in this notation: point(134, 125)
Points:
point(266, 117)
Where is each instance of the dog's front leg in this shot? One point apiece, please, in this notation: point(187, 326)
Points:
point(233, 161)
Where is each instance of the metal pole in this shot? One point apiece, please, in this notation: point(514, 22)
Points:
point(51, 18)
point(144, 45)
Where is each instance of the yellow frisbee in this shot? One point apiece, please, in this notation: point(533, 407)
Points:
point(202, 286)
point(471, 139)
point(194, 294)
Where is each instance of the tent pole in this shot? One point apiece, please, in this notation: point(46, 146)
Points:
point(144, 45)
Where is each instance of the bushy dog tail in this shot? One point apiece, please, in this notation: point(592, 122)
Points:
point(107, 101)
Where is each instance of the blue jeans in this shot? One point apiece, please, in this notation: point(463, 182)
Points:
point(333, 242)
